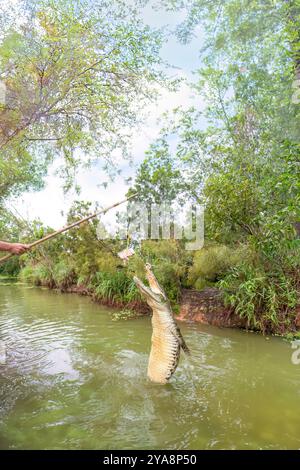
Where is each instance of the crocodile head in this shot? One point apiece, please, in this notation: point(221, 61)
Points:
point(156, 300)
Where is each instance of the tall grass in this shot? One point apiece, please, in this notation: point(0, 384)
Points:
point(211, 263)
point(38, 274)
point(115, 287)
point(64, 275)
point(267, 299)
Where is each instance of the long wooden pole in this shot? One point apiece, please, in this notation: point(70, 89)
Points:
point(68, 227)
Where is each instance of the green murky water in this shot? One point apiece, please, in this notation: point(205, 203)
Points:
point(74, 378)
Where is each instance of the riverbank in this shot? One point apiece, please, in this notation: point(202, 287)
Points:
point(196, 286)
point(205, 307)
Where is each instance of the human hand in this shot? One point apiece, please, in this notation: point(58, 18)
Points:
point(17, 248)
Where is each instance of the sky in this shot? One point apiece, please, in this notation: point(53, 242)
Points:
point(51, 204)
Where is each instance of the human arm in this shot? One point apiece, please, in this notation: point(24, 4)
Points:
point(14, 248)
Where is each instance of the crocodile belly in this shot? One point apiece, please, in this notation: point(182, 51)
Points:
point(164, 356)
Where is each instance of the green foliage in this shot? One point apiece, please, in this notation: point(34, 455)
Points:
point(64, 275)
point(233, 205)
point(14, 229)
point(157, 179)
point(240, 156)
point(10, 268)
point(27, 274)
point(265, 288)
point(37, 274)
point(115, 287)
point(201, 283)
point(76, 73)
point(162, 249)
point(169, 276)
point(267, 299)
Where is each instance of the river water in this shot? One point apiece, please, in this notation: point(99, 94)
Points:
point(75, 379)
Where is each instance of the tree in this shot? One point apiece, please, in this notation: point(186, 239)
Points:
point(248, 154)
point(240, 157)
point(76, 74)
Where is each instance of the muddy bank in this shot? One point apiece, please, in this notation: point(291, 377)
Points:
point(207, 307)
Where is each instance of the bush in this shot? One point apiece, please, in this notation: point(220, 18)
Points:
point(162, 249)
point(202, 283)
point(11, 267)
point(266, 298)
point(64, 275)
point(213, 262)
point(115, 287)
point(38, 274)
point(27, 274)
